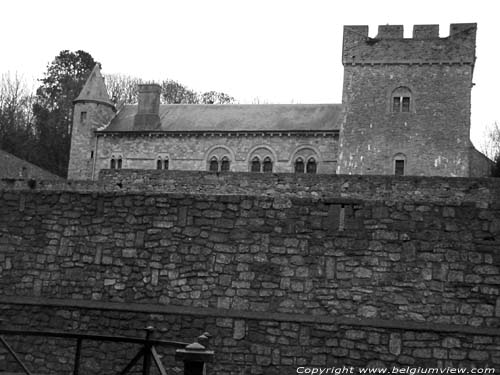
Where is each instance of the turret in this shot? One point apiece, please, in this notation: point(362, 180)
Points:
point(92, 109)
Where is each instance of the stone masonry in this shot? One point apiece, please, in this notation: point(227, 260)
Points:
point(280, 280)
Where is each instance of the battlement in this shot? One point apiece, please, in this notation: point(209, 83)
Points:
point(425, 46)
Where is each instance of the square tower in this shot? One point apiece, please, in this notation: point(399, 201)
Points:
point(407, 101)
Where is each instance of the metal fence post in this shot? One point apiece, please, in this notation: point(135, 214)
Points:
point(146, 364)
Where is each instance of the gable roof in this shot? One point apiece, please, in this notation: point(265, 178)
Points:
point(13, 167)
point(94, 89)
point(234, 117)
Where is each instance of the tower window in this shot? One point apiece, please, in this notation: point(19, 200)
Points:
point(224, 167)
point(311, 165)
point(399, 167)
point(255, 166)
point(267, 165)
point(214, 165)
point(401, 100)
point(299, 165)
point(83, 116)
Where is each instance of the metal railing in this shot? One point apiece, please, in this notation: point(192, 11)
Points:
point(194, 355)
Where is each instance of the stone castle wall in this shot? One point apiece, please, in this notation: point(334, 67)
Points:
point(279, 280)
point(193, 152)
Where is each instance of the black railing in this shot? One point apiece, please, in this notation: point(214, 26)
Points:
point(194, 355)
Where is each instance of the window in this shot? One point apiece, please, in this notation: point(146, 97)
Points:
point(255, 166)
point(162, 163)
point(267, 165)
point(401, 100)
point(112, 164)
point(119, 163)
point(83, 116)
point(214, 165)
point(311, 165)
point(224, 167)
point(299, 165)
point(399, 167)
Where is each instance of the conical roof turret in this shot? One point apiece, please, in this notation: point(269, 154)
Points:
point(94, 89)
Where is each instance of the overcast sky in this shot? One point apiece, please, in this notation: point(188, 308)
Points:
point(279, 51)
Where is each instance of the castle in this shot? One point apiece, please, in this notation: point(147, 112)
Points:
point(405, 110)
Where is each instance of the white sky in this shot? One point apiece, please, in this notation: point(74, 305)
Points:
point(279, 51)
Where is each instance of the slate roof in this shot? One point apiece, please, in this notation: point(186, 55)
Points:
point(235, 117)
point(13, 167)
point(95, 88)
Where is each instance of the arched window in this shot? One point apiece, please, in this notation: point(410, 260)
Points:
point(224, 167)
point(214, 165)
point(159, 163)
point(255, 166)
point(165, 164)
point(401, 100)
point(267, 165)
point(311, 165)
point(119, 163)
point(112, 163)
point(299, 165)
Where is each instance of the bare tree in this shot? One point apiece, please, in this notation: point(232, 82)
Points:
point(123, 90)
point(16, 115)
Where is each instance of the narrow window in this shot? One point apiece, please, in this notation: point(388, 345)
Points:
point(214, 165)
point(159, 164)
point(119, 164)
point(311, 166)
point(224, 167)
point(399, 167)
point(396, 104)
point(267, 165)
point(83, 116)
point(165, 164)
point(255, 166)
point(91, 154)
point(406, 104)
point(112, 164)
point(299, 165)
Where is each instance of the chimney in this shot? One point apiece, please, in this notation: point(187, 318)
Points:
point(148, 117)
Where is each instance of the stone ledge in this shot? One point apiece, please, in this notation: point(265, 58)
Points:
point(244, 314)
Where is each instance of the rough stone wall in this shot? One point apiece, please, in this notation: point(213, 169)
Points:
point(81, 160)
point(287, 273)
point(434, 135)
point(481, 191)
point(192, 152)
point(242, 345)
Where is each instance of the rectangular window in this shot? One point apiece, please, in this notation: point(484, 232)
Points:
point(406, 104)
point(396, 104)
point(83, 116)
point(399, 167)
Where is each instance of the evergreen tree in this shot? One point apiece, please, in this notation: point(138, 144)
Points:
point(53, 108)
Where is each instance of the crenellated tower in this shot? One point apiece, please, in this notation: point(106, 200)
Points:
point(93, 109)
point(407, 101)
